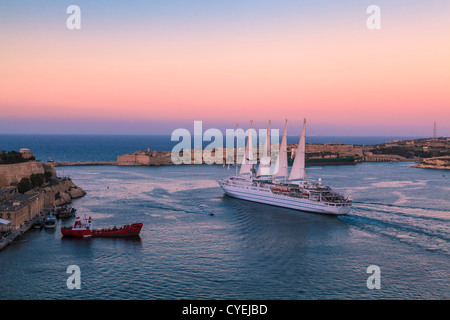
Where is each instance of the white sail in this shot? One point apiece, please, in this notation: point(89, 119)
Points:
point(273, 191)
point(281, 166)
point(264, 157)
point(298, 168)
point(246, 167)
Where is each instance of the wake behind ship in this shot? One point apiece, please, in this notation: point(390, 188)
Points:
point(282, 189)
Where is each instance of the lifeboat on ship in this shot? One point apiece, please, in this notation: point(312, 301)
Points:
point(280, 190)
point(83, 228)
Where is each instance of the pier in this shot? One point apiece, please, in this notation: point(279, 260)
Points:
point(7, 237)
point(85, 163)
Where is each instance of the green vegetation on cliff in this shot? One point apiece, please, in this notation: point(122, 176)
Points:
point(412, 151)
point(35, 181)
point(13, 157)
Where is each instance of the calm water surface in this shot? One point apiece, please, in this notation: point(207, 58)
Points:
point(400, 222)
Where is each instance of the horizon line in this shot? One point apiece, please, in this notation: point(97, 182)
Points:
point(168, 134)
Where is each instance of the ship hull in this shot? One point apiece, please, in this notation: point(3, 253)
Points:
point(126, 231)
point(267, 197)
point(70, 232)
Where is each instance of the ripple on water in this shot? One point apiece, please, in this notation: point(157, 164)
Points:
point(245, 250)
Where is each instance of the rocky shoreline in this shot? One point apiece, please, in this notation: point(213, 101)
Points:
point(440, 163)
point(60, 193)
point(19, 209)
point(56, 191)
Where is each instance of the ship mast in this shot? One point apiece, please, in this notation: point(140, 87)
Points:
point(298, 168)
point(246, 166)
point(264, 158)
point(281, 167)
point(236, 154)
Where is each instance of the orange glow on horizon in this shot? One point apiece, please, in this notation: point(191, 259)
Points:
point(334, 75)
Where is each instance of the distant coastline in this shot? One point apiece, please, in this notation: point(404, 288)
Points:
point(79, 150)
point(440, 163)
point(334, 153)
point(68, 147)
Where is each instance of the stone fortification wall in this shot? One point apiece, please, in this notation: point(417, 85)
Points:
point(133, 159)
point(50, 167)
point(13, 173)
point(341, 149)
point(142, 158)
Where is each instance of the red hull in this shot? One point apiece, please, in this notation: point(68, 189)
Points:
point(125, 231)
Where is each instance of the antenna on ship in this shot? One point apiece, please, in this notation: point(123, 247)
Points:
point(236, 150)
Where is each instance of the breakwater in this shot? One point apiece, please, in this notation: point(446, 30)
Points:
point(84, 163)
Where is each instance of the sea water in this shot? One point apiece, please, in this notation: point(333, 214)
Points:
point(197, 243)
point(108, 147)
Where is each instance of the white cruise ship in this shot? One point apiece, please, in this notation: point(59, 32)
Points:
point(281, 188)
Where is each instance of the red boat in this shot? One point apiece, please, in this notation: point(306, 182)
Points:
point(83, 228)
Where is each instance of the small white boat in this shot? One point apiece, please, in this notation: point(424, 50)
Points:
point(50, 222)
point(38, 224)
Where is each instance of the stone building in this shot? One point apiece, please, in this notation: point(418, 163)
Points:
point(7, 193)
point(26, 153)
point(145, 158)
point(141, 158)
point(19, 208)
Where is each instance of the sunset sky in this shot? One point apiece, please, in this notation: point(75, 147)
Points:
point(149, 67)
